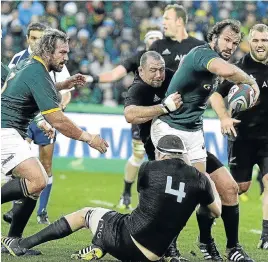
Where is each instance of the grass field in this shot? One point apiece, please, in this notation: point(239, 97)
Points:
point(72, 191)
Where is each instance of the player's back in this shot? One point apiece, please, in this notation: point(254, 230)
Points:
point(169, 192)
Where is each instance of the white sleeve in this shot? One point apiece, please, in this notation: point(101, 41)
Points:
point(63, 75)
point(11, 64)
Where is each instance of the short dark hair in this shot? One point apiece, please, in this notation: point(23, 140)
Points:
point(148, 54)
point(220, 26)
point(171, 144)
point(180, 11)
point(47, 43)
point(35, 27)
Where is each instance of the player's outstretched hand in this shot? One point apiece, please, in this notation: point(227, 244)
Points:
point(47, 129)
point(256, 89)
point(172, 102)
point(77, 79)
point(94, 141)
point(98, 143)
point(227, 126)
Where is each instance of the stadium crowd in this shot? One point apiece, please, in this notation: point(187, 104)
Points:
point(103, 33)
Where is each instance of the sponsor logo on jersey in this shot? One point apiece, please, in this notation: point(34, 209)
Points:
point(207, 86)
point(179, 57)
point(265, 84)
point(156, 98)
point(166, 52)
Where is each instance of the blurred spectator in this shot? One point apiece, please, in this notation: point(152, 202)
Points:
point(102, 33)
point(68, 19)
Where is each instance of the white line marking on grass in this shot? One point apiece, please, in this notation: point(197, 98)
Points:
point(255, 231)
point(102, 203)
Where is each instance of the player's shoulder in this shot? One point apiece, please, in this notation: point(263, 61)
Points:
point(17, 57)
point(195, 41)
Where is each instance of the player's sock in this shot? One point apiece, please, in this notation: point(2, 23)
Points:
point(43, 200)
point(56, 230)
point(205, 223)
point(264, 229)
point(127, 188)
point(230, 217)
point(22, 211)
point(13, 190)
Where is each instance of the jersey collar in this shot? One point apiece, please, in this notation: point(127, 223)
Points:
point(39, 59)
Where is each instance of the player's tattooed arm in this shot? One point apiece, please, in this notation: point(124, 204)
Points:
point(233, 74)
point(227, 123)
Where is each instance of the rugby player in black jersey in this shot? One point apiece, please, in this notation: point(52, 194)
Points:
point(129, 65)
point(169, 183)
point(250, 146)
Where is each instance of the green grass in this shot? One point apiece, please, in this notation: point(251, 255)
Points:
point(72, 191)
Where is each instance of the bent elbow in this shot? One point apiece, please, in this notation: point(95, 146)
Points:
point(129, 119)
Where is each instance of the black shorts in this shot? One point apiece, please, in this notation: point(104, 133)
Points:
point(135, 131)
point(213, 163)
point(113, 236)
point(244, 154)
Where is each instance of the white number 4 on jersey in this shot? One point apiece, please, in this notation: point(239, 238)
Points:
point(179, 193)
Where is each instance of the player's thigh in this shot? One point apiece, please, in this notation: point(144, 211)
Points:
point(194, 141)
point(32, 170)
point(15, 152)
point(213, 163)
point(93, 216)
point(241, 159)
point(262, 160)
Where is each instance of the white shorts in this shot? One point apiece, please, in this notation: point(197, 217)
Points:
point(194, 141)
point(95, 217)
point(14, 149)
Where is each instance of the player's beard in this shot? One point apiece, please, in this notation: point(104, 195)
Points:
point(219, 51)
point(56, 67)
point(259, 57)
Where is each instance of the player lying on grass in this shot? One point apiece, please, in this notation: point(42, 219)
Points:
point(169, 183)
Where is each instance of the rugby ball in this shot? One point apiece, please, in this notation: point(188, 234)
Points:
point(240, 97)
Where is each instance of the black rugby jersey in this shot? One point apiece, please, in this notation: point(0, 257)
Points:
point(253, 120)
point(142, 94)
point(169, 191)
point(174, 51)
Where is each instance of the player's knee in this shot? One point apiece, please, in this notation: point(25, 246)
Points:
point(265, 181)
point(231, 189)
point(243, 187)
point(136, 159)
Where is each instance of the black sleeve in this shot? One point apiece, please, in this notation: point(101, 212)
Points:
point(169, 74)
point(135, 95)
point(142, 181)
point(224, 88)
point(206, 196)
point(154, 46)
point(132, 63)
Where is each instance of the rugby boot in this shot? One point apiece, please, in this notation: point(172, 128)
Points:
point(237, 254)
